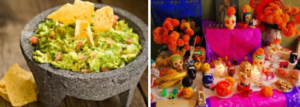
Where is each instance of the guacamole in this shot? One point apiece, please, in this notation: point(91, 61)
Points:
point(112, 49)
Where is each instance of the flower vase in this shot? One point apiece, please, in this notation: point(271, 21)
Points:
point(273, 36)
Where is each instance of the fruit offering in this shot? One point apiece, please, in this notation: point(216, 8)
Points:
point(266, 91)
point(163, 59)
point(170, 80)
point(205, 68)
point(231, 80)
point(188, 92)
point(177, 62)
point(198, 66)
point(223, 88)
point(283, 85)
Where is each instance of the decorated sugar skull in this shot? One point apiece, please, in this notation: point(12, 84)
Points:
point(230, 18)
point(259, 58)
point(177, 62)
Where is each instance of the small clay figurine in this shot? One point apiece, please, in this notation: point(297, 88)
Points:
point(225, 59)
point(164, 92)
point(297, 65)
point(191, 71)
point(177, 62)
point(244, 89)
point(230, 69)
point(230, 18)
point(207, 78)
point(212, 62)
point(246, 15)
point(234, 61)
point(245, 69)
point(175, 91)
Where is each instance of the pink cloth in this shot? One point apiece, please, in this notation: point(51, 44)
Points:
point(234, 43)
point(255, 100)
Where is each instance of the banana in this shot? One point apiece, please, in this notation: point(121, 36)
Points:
point(169, 83)
point(170, 77)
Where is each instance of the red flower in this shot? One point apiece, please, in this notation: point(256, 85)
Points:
point(197, 39)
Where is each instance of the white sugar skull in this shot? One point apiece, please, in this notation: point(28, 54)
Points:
point(177, 62)
point(230, 21)
point(220, 69)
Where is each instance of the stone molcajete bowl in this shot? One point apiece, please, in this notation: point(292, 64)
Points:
point(54, 84)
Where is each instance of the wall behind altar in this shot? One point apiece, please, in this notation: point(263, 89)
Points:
point(208, 12)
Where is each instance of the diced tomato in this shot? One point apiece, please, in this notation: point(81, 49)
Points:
point(34, 40)
point(58, 57)
point(116, 18)
point(128, 42)
point(85, 70)
point(78, 45)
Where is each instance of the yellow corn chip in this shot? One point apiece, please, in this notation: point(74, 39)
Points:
point(104, 18)
point(83, 30)
point(20, 87)
point(70, 13)
point(3, 92)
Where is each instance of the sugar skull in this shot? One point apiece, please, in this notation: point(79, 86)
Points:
point(220, 69)
point(259, 58)
point(230, 18)
point(177, 62)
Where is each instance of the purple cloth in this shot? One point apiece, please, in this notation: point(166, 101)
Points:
point(234, 43)
point(255, 100)
point(293, 98)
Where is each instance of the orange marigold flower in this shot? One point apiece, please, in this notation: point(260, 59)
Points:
point(172, 46)
point(268, 12)
point(272, 5)
point(287, 8)
point(266, 91)
point(231, 11)
point(158, 39)
point(165, 31)
point(186, 43)
point(290, 26)
point(168, 19)
point(262, 17)
point(168, 25)
point(276, 13)
point(176, 34)
point(297, 32)
point(166, 40)
point(282, 25)
point(187, 47)
point(186, 38)
point(189, 31)
point(246, 8)
point(294, 10)
point(175, 22)
point(269, 19)
point(277, 20)
point(285, 17)
point(180, 42)
point(183, 20)
point(185, 25)
point(157, 31)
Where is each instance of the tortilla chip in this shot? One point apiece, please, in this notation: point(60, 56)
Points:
point(3, 92)
point(70, 13)
point(83, 30)
point(20, 87)
point(104, 18)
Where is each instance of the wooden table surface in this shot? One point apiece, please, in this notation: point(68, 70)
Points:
point(14, 14)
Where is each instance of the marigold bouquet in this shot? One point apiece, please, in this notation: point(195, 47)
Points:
point(285, 19)
point(175, 34)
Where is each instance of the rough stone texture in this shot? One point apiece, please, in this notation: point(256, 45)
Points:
point(54, 84)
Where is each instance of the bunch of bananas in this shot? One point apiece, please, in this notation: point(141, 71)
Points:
point(170, 80)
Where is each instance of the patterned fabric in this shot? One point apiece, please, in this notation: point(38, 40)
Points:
point(293, 98)
point(161, 9)
point(240, 42)
point(255, 100)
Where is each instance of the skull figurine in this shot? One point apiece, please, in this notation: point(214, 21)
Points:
point(230, 22)
point(177, 62)
point(230, 18)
